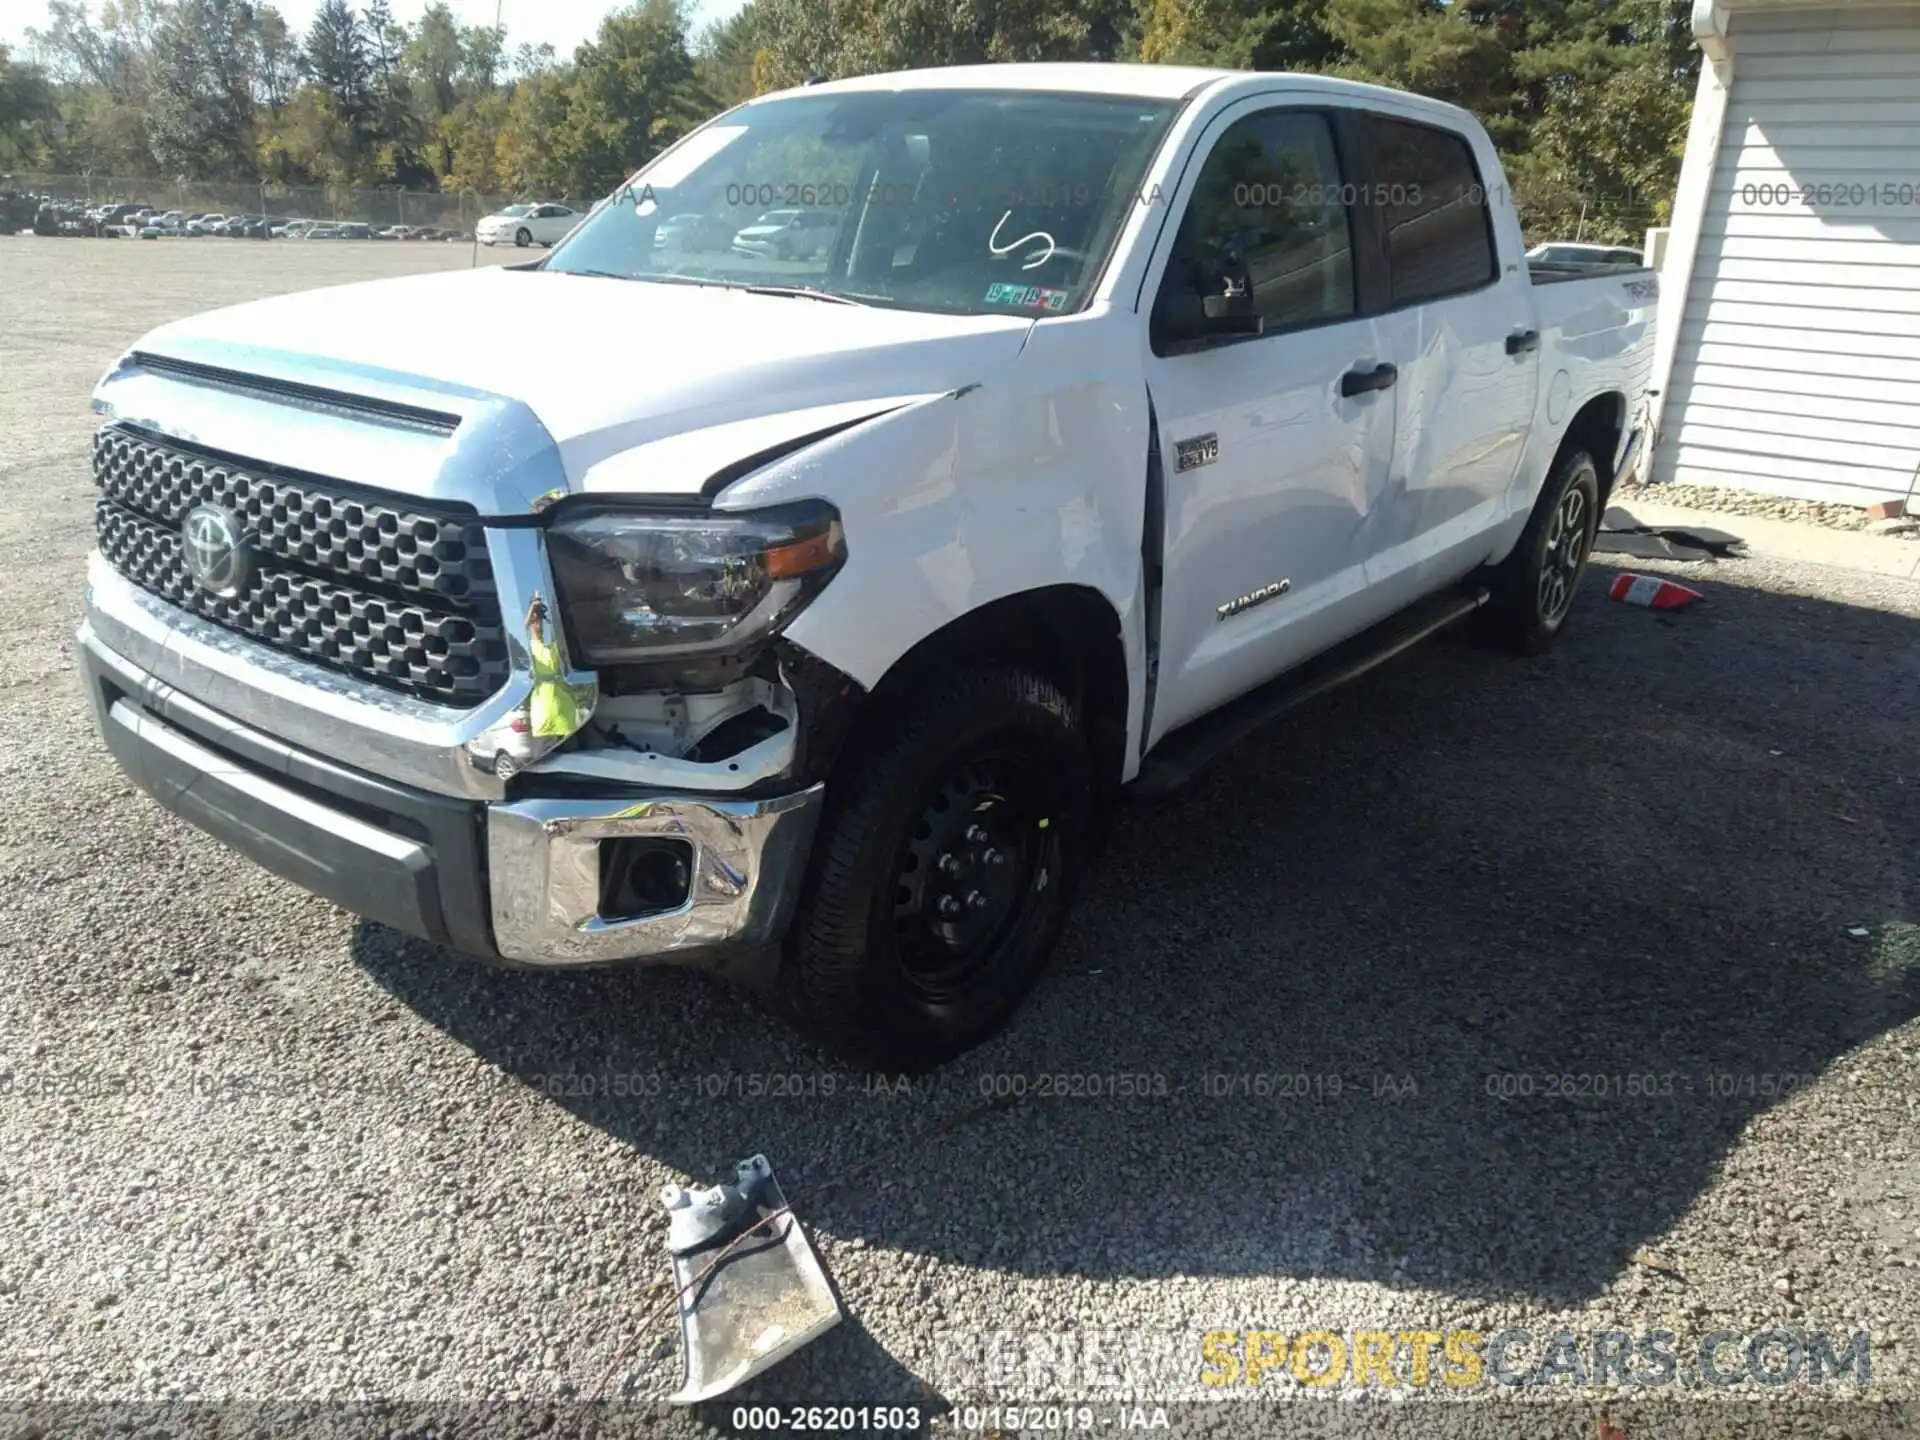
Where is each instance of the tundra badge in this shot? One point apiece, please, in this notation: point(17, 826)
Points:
point(1258, 597)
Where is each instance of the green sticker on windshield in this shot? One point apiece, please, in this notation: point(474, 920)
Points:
point(1027, 297)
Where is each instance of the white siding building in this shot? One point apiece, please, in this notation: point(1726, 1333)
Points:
point(1789, 354)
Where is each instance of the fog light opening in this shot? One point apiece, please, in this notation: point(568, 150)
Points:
point(641, 877)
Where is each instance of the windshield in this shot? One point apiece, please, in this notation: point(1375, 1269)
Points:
point(516, 211)
point(958, 201)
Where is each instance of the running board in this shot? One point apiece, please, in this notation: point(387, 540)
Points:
point(1188, 750)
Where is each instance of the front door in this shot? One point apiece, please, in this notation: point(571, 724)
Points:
point(1271, 466)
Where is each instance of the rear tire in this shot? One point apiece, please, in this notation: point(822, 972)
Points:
point(943, 872)
point(1533, 588)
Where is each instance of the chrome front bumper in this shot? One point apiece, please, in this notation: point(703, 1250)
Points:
point(516, 880)
point(544, 862)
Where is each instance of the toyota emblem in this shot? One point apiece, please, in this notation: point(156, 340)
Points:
point(215, 552)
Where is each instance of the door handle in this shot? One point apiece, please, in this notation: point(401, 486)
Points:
point(1521, 341)
point(1361, 382)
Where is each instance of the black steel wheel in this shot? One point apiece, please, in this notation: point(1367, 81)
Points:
point(977, 860)
point(943, 870)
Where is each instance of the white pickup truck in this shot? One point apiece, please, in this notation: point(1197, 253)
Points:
point(798, 612)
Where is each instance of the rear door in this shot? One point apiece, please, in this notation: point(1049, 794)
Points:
point(1271, 469)
point(1460, 327)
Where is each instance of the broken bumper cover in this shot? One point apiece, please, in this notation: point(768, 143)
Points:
point(515, 880)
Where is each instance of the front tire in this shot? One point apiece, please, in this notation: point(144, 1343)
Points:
point(1533, 588)
point(523, 237)
point(943, 871)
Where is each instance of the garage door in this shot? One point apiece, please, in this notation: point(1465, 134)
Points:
point(1797, 369)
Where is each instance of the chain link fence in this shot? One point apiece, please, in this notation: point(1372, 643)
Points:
point(455, 210)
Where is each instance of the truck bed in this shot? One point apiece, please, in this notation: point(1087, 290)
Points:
point(1557, 272)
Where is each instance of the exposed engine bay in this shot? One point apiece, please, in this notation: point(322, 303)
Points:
point(713, 729)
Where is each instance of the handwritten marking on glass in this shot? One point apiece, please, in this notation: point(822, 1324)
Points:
point(1007, 249)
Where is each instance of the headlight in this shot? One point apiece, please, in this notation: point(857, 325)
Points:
point(640, 586)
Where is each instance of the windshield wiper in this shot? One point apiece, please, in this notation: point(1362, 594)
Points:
point(798, 292)
point(803, 292)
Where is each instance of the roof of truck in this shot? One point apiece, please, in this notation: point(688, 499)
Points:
point(1150, 82)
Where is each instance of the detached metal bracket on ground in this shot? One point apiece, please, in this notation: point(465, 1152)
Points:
point(746, 1300)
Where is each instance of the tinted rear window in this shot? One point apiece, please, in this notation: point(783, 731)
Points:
point(1439, 229)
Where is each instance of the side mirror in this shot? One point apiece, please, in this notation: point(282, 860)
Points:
point(1186, 316)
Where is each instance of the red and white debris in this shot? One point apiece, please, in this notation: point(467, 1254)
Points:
point(1652, 592)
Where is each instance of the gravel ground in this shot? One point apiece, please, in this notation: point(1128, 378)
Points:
point(1730, 500)
point(253, 1149)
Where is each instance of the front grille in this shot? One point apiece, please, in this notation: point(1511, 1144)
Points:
point(379, 587)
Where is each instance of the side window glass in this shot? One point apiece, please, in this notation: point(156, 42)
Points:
point(1439, 229)
point(1269, 211)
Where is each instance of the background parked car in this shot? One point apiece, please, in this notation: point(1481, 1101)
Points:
point(105, 217)
point(525, 225)
point(1568, 252)
point(693, 233)
point(788, 235)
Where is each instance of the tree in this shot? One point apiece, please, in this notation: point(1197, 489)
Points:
point(631, 93)
point(1587, 100)
point(1427, 46)
point(277, 58)
point(858, 37)
point(526, 152)
point(435, 60)
point(102, 77)
point(109, 55)
point(399, 131)
point(1241, 34)
point(1611, 87)
point(201, 115)
point(27, 113)
point(470, 137)
point(337, 59)
point(725, 57)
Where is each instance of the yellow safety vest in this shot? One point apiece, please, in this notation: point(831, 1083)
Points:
point(551, 705)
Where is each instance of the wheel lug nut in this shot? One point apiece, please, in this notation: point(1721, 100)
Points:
point(995, 858)
point(976, 901)
point(948, 906)
point(976, 835)
point(949, 865)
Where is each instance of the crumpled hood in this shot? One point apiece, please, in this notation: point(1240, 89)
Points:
point(700, 375)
